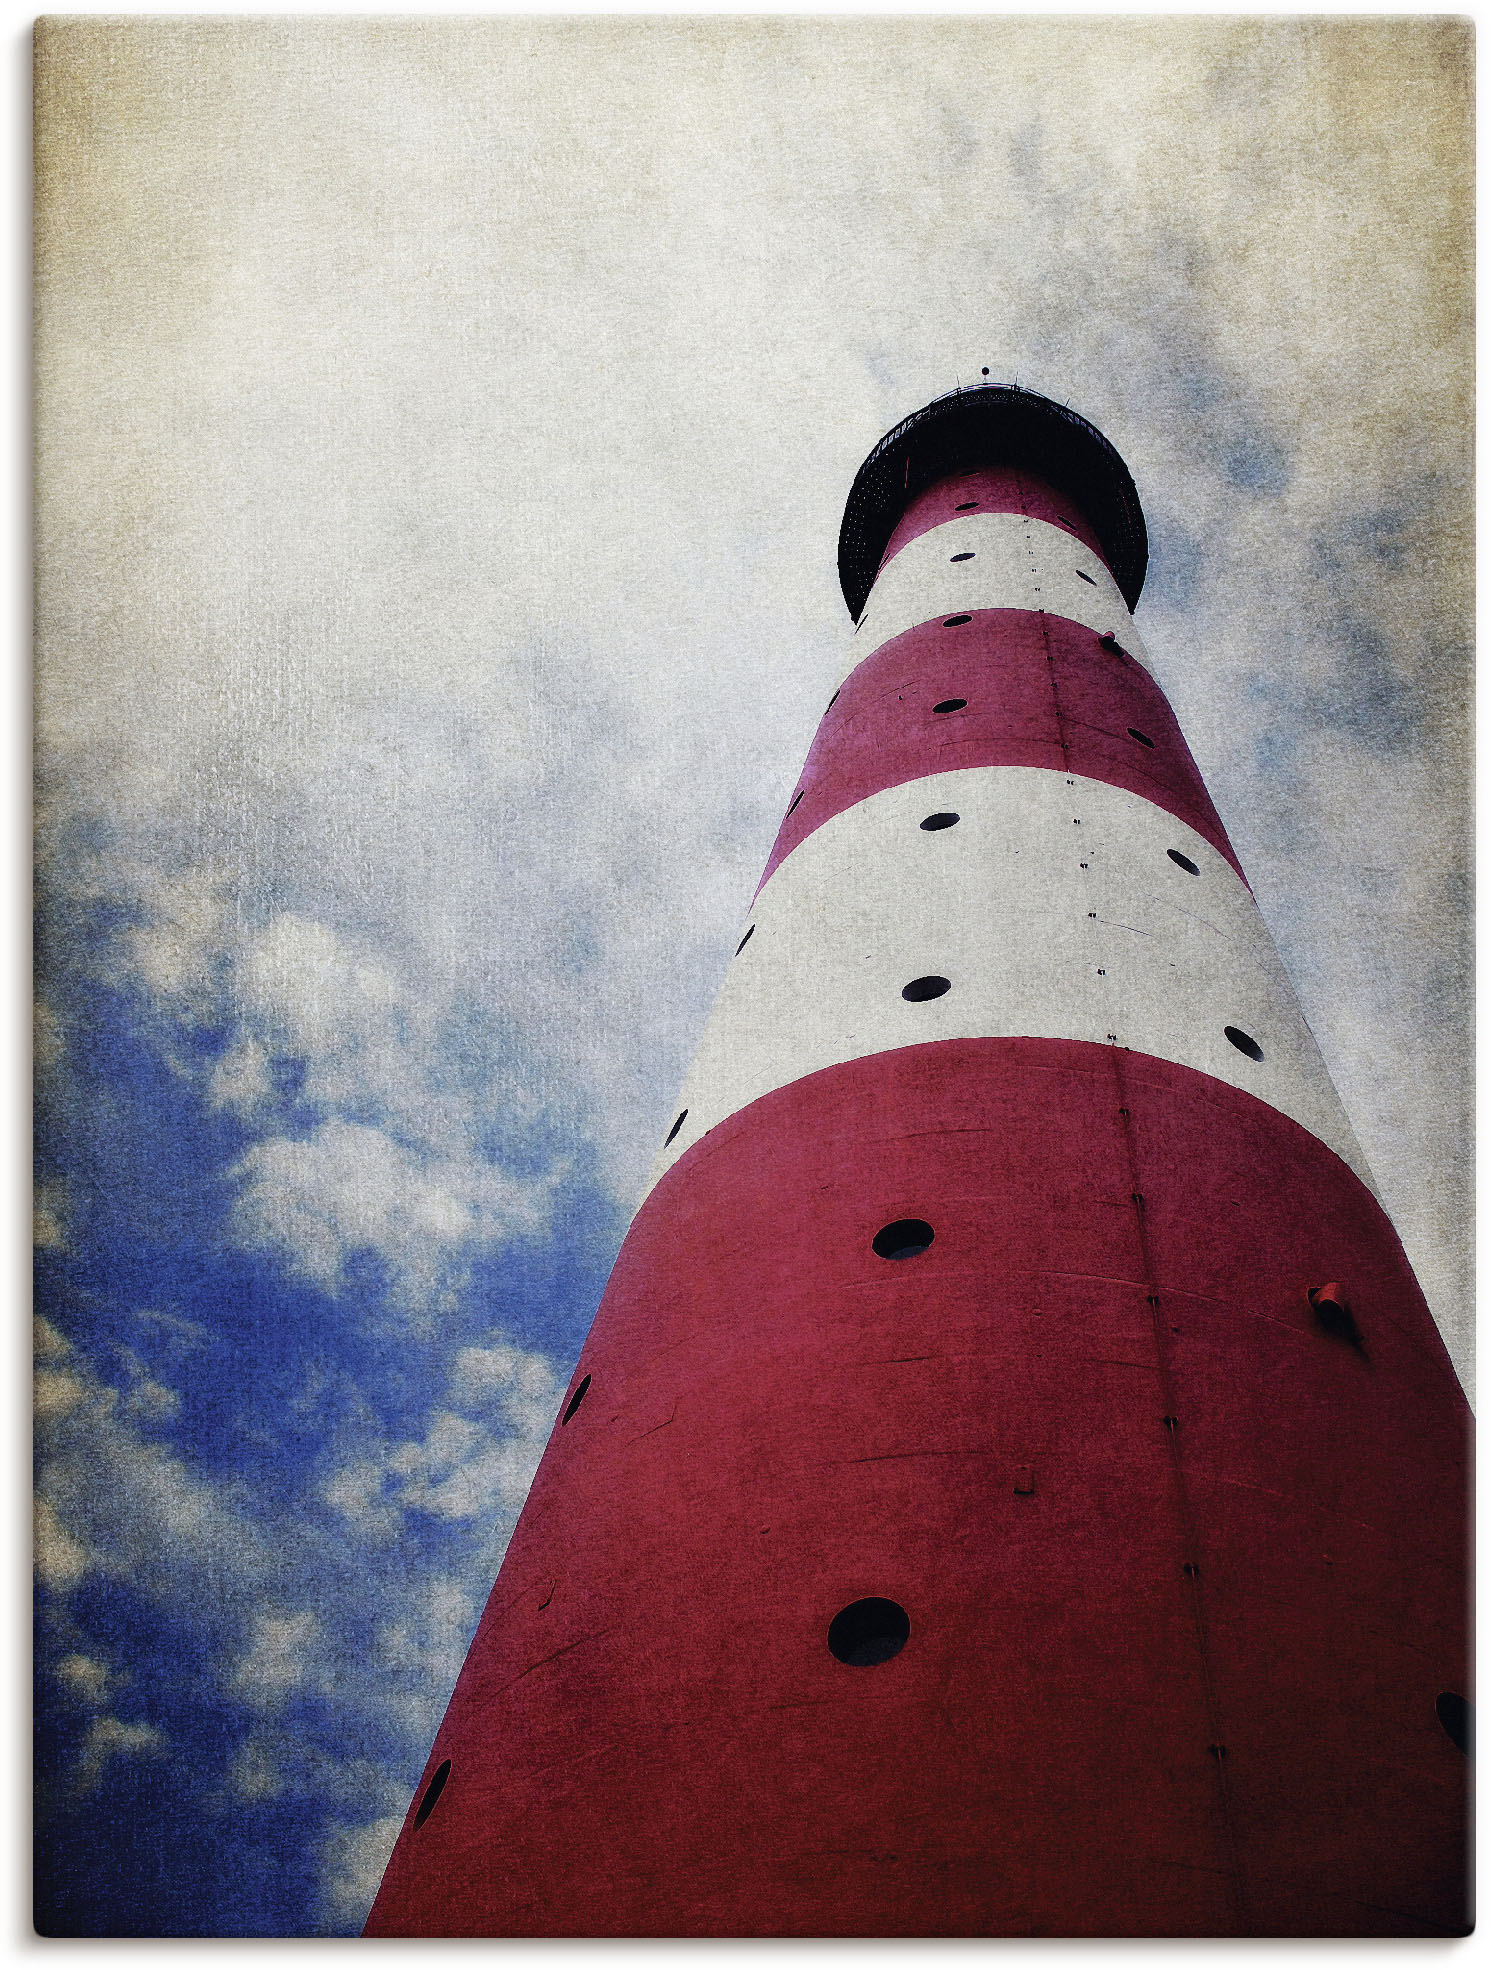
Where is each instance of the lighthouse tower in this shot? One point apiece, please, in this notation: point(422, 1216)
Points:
point(1013, 1484)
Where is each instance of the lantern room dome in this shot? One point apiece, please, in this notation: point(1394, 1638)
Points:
point(992, 424)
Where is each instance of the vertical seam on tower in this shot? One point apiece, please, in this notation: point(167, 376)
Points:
point(1189, 1538)
point(1026, 516)
point(1060, 717)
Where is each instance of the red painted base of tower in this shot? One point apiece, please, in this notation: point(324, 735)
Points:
point(1182, 1585)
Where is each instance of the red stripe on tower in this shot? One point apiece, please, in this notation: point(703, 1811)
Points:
point(990, 489)
point(1013, 1484)
point(1001, 687)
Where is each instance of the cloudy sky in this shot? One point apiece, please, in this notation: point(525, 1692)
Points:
point(444, 429)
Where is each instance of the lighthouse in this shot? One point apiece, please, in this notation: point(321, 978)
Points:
point(1013, 1484)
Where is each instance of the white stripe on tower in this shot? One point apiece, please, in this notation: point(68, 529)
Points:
point(1014, 563)
point(1055, 909)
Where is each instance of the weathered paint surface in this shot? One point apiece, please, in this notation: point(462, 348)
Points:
point(1182, 1552)
point(651, 1737)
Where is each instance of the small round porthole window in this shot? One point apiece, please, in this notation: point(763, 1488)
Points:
point(1457, 1715)
point(869, 1632)
point(906, 1238)
point(432, 1793)
point(574, 1402)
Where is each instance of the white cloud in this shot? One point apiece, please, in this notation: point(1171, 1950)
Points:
point(322, 1031)
point(476, 1458)
point(49, 1215)
point(278, 1761)
point(460, 1471)
point(109, 1738)
point(283, 1656)
point(115, 1500)
point(279, 1602)
point(150, 1401)
point(61, 1559)
point(420, 1649)
point(254, 1773)
point(318, 997)
point(85, 1678)
point(177, 952)
point(57, 1391)
point(112, 1499)
point(242, 1079)
point(321, 1200)
point(352, 1862)
point(46, 1342)
point(504, 1376)
point(356, 1492)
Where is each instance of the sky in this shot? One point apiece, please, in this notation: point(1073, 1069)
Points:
point(443, 430)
